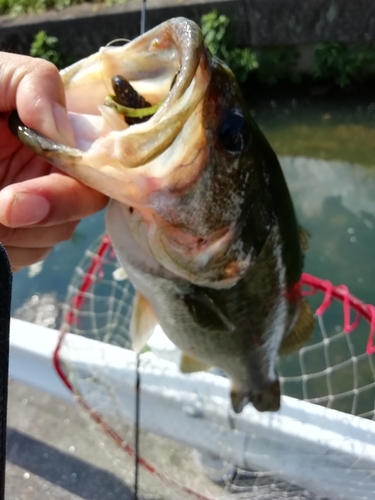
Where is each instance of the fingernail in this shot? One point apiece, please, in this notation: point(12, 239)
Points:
point(63, 125)
point(28, 209)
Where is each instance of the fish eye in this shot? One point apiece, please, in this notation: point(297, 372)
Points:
point(234, 132)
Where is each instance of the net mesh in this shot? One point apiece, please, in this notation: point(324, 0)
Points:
point(336, 370)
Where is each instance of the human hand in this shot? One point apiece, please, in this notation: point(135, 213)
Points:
point(39, 205)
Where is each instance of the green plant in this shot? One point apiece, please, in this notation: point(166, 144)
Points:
point(216, 33)
point(242, 61)
point(115, 2)
point(343, 64)
point(278, 64)
point(271, 65)
point(18, 7)
point(45, 46)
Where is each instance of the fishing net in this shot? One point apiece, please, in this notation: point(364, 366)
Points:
point(189, 444)
point(336, 369)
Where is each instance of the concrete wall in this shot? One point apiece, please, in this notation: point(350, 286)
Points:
point(81, 30)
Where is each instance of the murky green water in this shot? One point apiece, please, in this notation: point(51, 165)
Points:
point(330, 169)
point(331, 130)
point(327, 152)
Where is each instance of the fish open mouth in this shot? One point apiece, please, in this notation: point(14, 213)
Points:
point(168, 67)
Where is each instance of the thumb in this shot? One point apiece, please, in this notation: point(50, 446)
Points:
point(34, 87)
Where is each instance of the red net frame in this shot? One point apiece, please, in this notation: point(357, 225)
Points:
point(341, 293)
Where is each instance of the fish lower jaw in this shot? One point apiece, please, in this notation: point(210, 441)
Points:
point(199, 275)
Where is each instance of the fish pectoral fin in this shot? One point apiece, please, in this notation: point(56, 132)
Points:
point(188, 364)
point(206, 313)
point(304, 236)
point(301, 332)
point(119, 274)
point(142, 323)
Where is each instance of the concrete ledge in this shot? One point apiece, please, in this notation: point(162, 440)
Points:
point(82, 29)
point(298, 22)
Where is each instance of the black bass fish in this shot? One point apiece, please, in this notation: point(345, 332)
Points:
point(201, 218)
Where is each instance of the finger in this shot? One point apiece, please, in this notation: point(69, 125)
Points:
point(23, 257)
point(37, 237)
point(47, 201)
point(34, 87)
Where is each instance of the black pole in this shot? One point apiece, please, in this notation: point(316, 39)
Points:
point(138, 374)
point(143, 17)
point(137, 417)
point(5, 301)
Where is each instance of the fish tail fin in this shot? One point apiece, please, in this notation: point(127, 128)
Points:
point(267, 400)
point(301, 332)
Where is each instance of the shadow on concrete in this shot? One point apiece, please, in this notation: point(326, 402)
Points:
point(64, 469)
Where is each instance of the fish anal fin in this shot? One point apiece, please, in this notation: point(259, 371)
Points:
point(142, 323)
point(304, 236)
point(238, 399)
point(301, 332)
point(188, 364)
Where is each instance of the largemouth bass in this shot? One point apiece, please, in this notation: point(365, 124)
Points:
point(201, 218)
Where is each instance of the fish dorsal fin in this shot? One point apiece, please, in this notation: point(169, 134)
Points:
point(119, 274)
point(304, 236)
point(142, 323)
point(206, 313)
point(301, 332)
point(188, 364)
